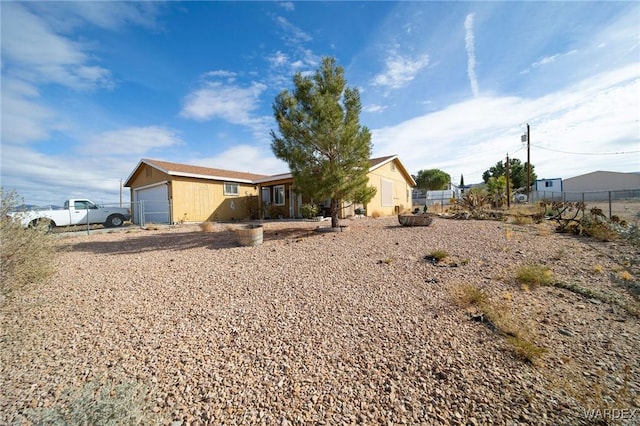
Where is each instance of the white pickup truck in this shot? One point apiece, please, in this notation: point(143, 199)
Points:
point(75, 212)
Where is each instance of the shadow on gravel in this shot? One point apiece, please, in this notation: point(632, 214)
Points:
point(141, 243)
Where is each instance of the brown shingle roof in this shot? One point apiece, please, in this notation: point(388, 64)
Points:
point(185, 169)
point(375, 161)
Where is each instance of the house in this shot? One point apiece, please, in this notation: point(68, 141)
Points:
point(387, 174)
point(165, 192)
point(549, 185)
point(602, 181)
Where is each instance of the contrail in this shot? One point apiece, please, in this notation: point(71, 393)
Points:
point(471, 61)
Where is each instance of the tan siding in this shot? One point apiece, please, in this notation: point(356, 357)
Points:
point(196, 200)
point(147, 175)
point(400, 187)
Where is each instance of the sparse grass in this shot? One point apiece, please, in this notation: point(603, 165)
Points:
point(26, 254)
point(525, 349)
point(521, 219)
point(534, 275)
point(469, 295)
point(437, 255)
point(560, 253)
point(625, 276)
point(499, 317)
point(96, 403)
point(207, 226)
point(598, 268)
point(151, 227)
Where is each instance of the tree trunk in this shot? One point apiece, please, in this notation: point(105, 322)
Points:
point(335, 208)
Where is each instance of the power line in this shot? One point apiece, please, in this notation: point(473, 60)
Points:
point(587, 153)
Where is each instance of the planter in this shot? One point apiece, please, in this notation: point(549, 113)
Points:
point(249, 235)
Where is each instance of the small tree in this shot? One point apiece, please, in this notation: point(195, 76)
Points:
point(321, 139)
point(432, 179)
point(517, 173)
point(497, 189)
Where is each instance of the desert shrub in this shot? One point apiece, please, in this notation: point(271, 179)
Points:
point(521, 219)
point(534, 275)
point(469, 295)
point(525, 349)
point(375, 214)
point(26, 253)
point(207, 226)
point(96, 404)
point(500, 319)
point(436, 255)
point(250, 206)
point(473, 199)
point(309, 210)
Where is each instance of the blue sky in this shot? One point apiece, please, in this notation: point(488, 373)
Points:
point(90, 88)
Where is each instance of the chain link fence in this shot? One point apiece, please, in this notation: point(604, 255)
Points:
point(622, 203)
point(147, 212)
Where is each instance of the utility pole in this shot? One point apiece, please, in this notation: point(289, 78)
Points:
point(508, 191)
point(527, 138)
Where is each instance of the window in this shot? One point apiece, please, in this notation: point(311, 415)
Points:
point(83, 205)
point(230, 188)
point(266, 195)
point(278, 195)
point(548, 184)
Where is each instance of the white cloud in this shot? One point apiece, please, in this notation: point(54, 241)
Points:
point(132, 141)
point(471, 55)
point(278, 59)
point(245, 158)
point(48, 179)
point(292, 33)
point(288, 6)
point(400, 71)
point(228, 102)
point(24, 120)
point(33, 51)
point(66, 16)
point(375, 108)
point(598, 114)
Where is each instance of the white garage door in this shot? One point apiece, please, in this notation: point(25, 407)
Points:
point(151, 205)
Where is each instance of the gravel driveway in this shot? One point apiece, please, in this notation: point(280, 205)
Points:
point(327, 328)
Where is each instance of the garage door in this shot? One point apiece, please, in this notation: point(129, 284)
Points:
point(151, 205)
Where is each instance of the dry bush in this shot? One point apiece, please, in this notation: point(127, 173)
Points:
point(207, 226)
point(500, 318)
point(26, 253)
point(96, 403)
point(436, 255)
point(534, 275)
point(375, 214)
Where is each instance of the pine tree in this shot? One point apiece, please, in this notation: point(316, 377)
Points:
point(321, 139)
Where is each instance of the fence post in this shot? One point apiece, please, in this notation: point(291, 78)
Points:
point(141, 210)
point(609, 205)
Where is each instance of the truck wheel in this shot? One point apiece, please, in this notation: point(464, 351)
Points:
point(47, 224)
point(114, 220)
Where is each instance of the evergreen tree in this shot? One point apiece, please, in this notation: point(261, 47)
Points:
point(321, 139)
point(432, 179)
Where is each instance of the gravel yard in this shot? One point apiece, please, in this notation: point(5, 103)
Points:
point(318, 327)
